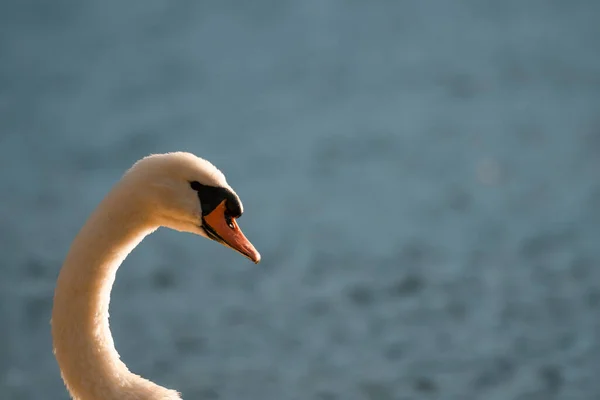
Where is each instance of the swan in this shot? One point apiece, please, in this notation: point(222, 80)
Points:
point(175, 190)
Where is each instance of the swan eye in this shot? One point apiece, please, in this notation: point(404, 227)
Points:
point(195, 185)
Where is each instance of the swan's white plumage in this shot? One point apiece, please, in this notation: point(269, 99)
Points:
point(182, 165)
point(153, 192)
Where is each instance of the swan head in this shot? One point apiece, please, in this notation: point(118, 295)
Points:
point(186, 193)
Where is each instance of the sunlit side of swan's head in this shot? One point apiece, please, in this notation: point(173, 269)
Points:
point(187, 193)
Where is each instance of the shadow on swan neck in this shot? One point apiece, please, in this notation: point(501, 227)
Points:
point(83, 344)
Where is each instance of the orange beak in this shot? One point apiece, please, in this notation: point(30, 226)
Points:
point(225, 230)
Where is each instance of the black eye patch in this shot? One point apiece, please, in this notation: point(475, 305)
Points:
point(211, 196)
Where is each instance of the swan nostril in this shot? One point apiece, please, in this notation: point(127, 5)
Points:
point(229, 221)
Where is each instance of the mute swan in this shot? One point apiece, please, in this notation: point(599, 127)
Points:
point(175, 190)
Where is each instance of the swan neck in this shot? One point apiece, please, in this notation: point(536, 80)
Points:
point(83, 344)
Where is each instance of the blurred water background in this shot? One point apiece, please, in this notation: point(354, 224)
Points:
point(422, 179)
